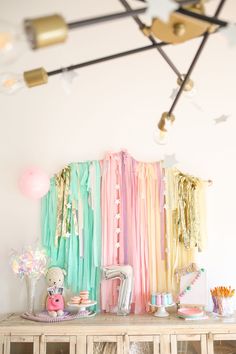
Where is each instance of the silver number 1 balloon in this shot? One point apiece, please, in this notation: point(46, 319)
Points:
point(126, 275)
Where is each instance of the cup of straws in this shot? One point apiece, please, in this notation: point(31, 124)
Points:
point(222, 298)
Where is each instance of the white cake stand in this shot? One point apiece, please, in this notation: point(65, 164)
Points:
point(161, 310)
point(82, 309)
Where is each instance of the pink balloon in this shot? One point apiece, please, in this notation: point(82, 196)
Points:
point(34, 183)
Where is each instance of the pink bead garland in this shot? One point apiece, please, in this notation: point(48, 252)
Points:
point(188, 288)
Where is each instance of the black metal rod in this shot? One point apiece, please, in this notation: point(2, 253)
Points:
point(195, 59)
point(131, 12)
point(152, 40)
point(187, 2)
point(213, 20)
point(110, 17)
point(103, 59)
point(110, 57)
point(181, 2)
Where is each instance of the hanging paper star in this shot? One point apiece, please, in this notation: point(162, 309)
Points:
point(169, 161)
point(68, 78)
point(221, 119)
point(174, 93)
point(197, 106)
point(230, 33)
point(161, 9)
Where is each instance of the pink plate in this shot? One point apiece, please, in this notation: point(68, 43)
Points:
point(190, 312)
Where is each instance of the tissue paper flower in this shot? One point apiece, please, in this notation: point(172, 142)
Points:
point(32, 263)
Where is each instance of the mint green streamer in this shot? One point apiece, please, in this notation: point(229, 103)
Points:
point(82, 272)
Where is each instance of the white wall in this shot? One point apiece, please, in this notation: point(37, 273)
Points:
point(116, 105)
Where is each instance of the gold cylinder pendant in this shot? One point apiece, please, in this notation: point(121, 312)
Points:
point(35, 77)
point(45, 31)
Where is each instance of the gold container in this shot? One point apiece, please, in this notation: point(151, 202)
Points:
point(45, 31)
point(35, 77)
point(179, 28)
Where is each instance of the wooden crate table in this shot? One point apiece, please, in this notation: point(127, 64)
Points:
point(111, 334)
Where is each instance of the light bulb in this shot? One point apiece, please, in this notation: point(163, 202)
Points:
point(12, 42)
point(11, 83)
point(191, 94)
point(163, 129)
point(160, 137)
point(187, 94)
point(189, 90)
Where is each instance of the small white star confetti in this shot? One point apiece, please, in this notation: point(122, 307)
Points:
point(117, 245)
point(230, 34)
point(117, 201)
point(68, 205)
point(118, 230)
point(221, 119)
point(169, 161)
point(117, 186)
point(117, 216)
point(67, 235)
point(161, 9)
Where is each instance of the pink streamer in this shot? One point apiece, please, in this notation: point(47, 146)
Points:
point(162, 210)
point(120, 169)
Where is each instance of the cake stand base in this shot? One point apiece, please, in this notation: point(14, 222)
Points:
point(161, 312)
point(82, 309)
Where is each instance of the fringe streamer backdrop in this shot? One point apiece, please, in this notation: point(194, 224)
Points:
point(122, 211)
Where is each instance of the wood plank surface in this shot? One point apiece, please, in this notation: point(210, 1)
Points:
point(112, 325)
